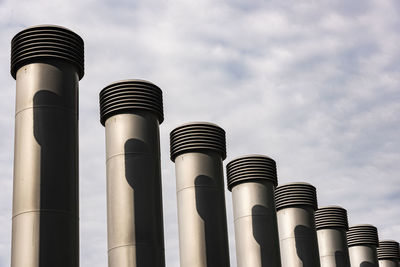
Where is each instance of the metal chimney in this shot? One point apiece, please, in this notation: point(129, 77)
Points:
point(131, 112)
point(362, 240)
point(47, 63)
point(388, 253)
point(252, 180)
point(198, 150)
point(331, 223)
point(295, 204)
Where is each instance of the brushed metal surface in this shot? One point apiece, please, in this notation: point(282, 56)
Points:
point(298, 237)
point(45, 229)
point(134, 199)
point(363, 256)
point(332, 246)
point(203, 238)
point(256, 229)
point(389, 263)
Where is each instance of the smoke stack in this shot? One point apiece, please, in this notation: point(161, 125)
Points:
point(131, 112)
point(388, 253)
point(198, 150)
point(47, 63)
point(362, 240)
point(252, 180)
point(295, 204)
point(331, 223)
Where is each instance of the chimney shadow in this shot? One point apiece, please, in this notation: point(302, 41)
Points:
point(141, 173)
point(368, 264)
point(341, 259)
point(263, 233)
point(208, 199)
point(306, 246)
point(55, 130)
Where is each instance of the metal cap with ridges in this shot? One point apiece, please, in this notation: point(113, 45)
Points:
point(128, 96)
point(331, 217)
point(295, 194)
point(197, 136)
point(388, 249)
point(362, 234)
point(250, 168)
point(46, 42)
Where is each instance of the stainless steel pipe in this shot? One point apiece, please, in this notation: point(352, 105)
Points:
point(362, 240)
point(332, 225)
point(198, 150)
point(388, 253)
point(252, 180)
point(47, 63)
point(131, 112)
point(296, 204)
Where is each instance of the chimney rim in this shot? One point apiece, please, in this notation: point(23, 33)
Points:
point(296, 194)
point(331, 217)
point(194, 123)
point(363, 234)
point(126, 96)
point(197, 136)
point(296, 183)
point(250, 156)
point(27, 47)
point(388, 240)
point(252, 167)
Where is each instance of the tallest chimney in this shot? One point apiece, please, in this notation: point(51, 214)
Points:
point(47, 63)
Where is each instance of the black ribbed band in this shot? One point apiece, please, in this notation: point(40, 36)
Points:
point(197, 136)
point(363, 234)
point(46, 42)
point(388, 249)
point(331, 217)
point(251, 167)
point(295, 194)
point(129, 96)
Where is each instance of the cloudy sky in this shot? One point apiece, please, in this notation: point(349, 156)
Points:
point(313, 84)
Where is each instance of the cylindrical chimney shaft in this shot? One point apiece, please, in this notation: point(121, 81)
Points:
point(252, 180)
point(131, 112)
point(47, 63)
point(362, 240)
point(388, 253)
point(332, 225)
point(198, 150)
point(296, 204)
